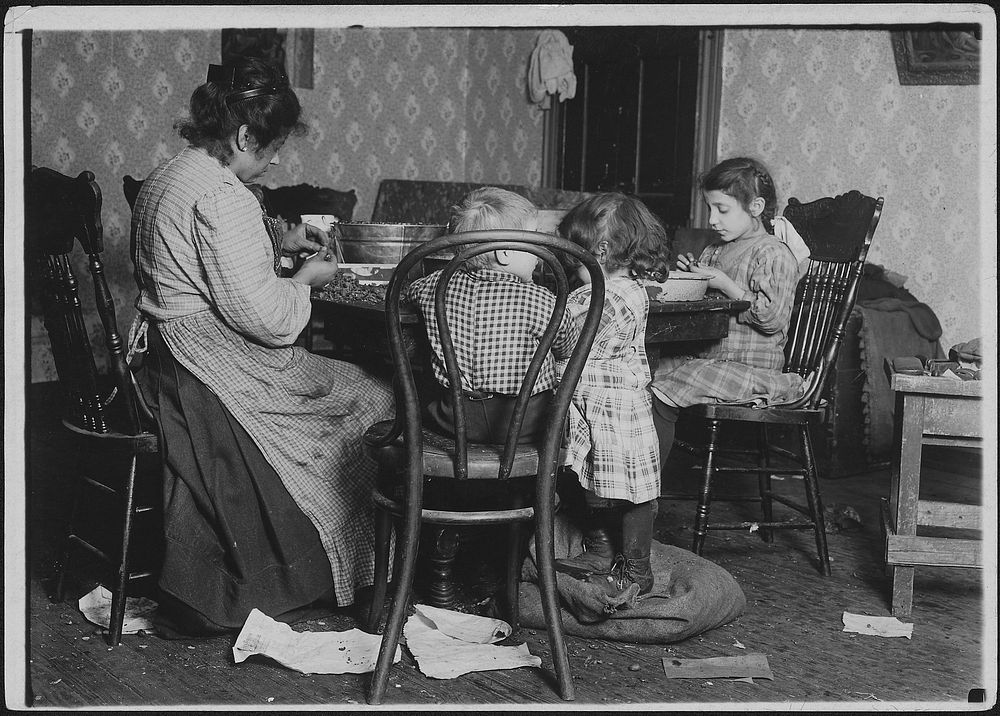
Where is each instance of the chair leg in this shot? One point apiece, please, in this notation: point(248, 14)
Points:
point(77, 490)
point(705, 499)
point(118, 596)
point(513, 577)
point(764, 481)
point(397, 612)
point(545, 554)
point(815, 502)
point(383, 531)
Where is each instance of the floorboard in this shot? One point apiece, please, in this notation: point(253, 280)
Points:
point(793, 616)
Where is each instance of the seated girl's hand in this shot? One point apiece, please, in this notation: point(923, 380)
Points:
point(716, 277)
point(686, 262)
point(304, 239)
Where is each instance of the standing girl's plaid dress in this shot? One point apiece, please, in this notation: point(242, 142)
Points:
point(612, 441)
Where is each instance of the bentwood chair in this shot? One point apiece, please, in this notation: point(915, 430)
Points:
point(838, 231)
point(410, 454)
point(105, 419)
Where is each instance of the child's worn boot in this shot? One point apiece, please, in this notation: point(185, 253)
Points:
point(637, 537)
point(599, 548)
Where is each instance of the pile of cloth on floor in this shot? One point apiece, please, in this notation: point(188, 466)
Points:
point(690, 595)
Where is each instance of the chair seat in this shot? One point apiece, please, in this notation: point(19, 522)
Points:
point(748, 414)
point(439, 454)
point(144, 442)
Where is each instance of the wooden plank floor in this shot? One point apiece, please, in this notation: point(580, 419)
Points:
point(793, 616)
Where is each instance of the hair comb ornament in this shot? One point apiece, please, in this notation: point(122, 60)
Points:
point(225, 77)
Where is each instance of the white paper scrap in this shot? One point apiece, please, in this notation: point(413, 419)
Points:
point(441, 656)
point(877, 626)
point(345, 652)
point(466, 627)
point(96, 607)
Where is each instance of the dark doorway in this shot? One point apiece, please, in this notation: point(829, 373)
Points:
point(631, 126)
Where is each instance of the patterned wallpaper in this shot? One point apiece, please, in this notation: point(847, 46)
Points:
point(825, 110)
point(445, 105)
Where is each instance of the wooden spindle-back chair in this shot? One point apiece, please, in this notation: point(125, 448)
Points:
point(408, 452)
point(104, 414)
point(838, 231)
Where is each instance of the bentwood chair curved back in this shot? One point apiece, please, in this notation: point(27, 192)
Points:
point(838, 231)
point(409, 454)
point(104, 415)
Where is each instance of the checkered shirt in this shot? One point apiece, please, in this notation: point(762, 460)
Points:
point(496, 323)
point(205, 268)
point(746, 365)
point(612, 445)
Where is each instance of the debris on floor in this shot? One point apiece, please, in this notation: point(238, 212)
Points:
point(447, 644)
point(841, 518)
point(96, 607)
point(310, 652)
point(753, 666)
point(876, 626)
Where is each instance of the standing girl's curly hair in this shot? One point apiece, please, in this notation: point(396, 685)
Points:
point(744, 179)
point(635, 238)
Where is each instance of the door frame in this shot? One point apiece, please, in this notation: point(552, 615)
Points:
point(706, 118)
point(706, 136)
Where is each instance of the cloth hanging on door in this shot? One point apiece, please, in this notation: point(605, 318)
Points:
point(550, 69)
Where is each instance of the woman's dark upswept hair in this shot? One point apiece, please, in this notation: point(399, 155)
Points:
point(636, 238)
point(270, 116)
point(744, 179)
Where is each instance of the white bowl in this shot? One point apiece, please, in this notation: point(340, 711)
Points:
point(679, 286)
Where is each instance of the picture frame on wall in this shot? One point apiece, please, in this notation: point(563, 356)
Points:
point(938, 57)
point(291, 49)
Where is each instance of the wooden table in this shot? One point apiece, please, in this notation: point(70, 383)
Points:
point(360, 327)
point(929, 411)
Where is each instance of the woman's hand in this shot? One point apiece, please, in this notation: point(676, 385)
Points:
point(304, 239)
point(318, 270)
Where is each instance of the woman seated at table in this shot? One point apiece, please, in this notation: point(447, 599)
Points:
point(266, 488)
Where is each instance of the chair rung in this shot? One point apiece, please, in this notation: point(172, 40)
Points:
point(762, 525)
point(798, 507)
point(100, 486)
point(453, 517)
point(96, 552)
point(723, 498)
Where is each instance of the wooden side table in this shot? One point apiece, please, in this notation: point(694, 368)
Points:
point(929, 411)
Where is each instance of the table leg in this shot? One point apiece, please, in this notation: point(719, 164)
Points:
point(902, 591)
point(441, 591)
point(904, 493)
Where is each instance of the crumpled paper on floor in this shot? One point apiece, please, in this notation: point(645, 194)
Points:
point(877, 626)
point(96, 607)
point(447, 644)
point(321, 652)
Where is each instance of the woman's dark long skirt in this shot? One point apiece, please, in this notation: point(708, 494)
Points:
point(234, 538)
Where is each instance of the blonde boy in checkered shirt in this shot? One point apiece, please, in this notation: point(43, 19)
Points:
point(497, 315)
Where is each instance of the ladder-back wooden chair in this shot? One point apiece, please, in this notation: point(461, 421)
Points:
point(838, 231)
point(104, 415)
point(408, 453)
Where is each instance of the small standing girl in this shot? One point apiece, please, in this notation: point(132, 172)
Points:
point(613, 447)
point(748, 263)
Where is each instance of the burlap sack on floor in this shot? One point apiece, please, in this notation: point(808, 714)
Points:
point(691, 595)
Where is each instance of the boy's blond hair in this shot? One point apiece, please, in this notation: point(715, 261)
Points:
point(491, 207)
